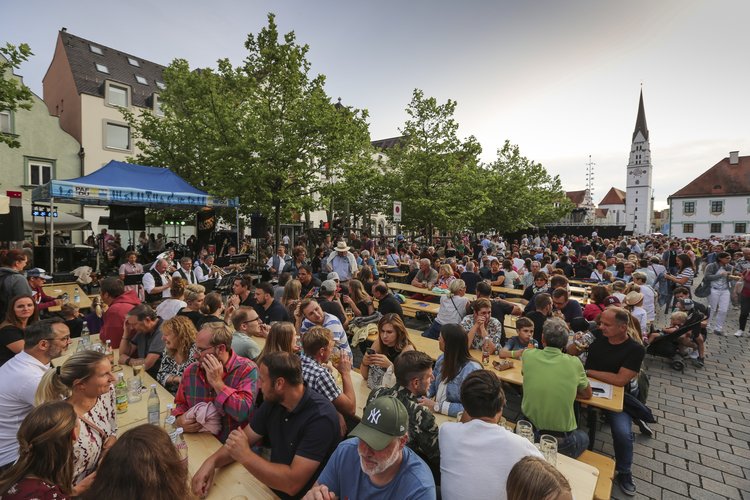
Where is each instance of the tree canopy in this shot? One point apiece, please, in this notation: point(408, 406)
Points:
point(14, 95)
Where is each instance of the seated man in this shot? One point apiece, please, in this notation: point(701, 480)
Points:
point(317, 346)
point(269, 309)
point(481, 327)
point(288, 409)
point(500, 307)
point(413, 371)
point(308, 281)
point(220, 378)
point(387, 303)
point(552, 380)
point(309, 314)
point(185, 271)
point(476, 453)
point(377, 464)
point(246, 325)
point(568, 308)
point(426, 276)
point(330, 301)
point(142, 340)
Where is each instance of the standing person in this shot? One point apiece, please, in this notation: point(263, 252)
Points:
point(130, 267)
point(12, 281)
point(289, 409)
point(143, 463)
point(269, 309)
point(85, 380)
point(157, 281)
point(119, 302)
point(19, 378)
point(377, 464)
point(743, 266)
point(684, 277)
point(552, 381)
point(392, 340)
point(21, 313)
point(451, 368)
point(719, 275)
point(221, 379)
point(615, 358)
point(342, 262)
point(143, 341)
point(469, 449)
point(278, 262)
point(45, 466)
point(178, 334)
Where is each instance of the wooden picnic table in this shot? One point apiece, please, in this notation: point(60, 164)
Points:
point(57, 289)
point(408, 288)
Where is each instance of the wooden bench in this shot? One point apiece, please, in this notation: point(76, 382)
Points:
point(606, 467)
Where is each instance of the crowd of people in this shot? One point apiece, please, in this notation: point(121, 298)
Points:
point(270, 367)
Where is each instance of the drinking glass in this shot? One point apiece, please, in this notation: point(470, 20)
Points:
point(137, 366)
point(134, 390)
point(335, 356)
point(525, 430)
point(548, 445)
point(459, 416)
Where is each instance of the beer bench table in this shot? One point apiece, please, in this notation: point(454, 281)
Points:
point(407, 288)
point(57, 289)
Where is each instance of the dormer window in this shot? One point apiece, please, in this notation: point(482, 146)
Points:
point(141, 79)
point(134, 62)
point(96, 50)
point(102, 68)
point(161, 85)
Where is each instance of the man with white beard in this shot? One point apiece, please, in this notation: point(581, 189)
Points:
point(377, 464)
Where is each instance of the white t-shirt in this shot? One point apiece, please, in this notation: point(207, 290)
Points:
point(640, 314)
point(452, 310)
point(169, 308)
point(649, 301)
point(476, 458)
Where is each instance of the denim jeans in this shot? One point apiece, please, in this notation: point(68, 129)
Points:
point(622, 438)
point(433, 332)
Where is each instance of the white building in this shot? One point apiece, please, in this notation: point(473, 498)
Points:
point(611, 210)
point(638, 194)
point(715, 203)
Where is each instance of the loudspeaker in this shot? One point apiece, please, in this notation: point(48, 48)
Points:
point(258, 226)
point(11, 225)
point(126, 217)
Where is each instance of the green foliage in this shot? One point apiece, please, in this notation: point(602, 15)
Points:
point(433, 172)
point(523, 193)
point(14, 95)
point(264, 131)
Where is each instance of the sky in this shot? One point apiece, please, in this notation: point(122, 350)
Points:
point(560, 79)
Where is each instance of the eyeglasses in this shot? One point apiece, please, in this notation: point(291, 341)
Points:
point(260, 321)
point(204, 349)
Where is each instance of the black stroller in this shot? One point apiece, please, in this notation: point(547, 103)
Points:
point(668, 346)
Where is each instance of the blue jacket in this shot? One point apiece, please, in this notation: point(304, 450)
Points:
point(453, 391)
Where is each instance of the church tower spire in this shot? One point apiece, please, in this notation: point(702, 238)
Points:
point(639, 172)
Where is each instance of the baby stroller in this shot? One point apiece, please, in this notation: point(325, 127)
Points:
point(668, 346)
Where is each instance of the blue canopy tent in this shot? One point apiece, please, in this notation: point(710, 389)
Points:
point(120, 183)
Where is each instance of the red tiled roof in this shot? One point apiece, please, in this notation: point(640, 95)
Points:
point(721, 179)
point(613, 197)
point(577, 197)
point(601, 212)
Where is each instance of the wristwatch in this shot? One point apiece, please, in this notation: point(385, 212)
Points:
point(436, 408)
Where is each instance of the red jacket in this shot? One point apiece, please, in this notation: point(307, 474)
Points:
point(114, 318)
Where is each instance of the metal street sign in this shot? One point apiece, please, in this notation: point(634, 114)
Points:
point(396, 211)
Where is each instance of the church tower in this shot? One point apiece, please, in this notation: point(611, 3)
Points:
point(638, 196)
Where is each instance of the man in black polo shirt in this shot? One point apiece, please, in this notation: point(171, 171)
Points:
point(308, 281)
point(301, 425)
point(241, 290)
point(268, 308)
point(387, 303)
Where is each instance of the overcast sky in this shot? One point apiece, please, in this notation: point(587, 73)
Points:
point(559, 78)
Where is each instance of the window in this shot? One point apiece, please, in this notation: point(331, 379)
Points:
point(688, 207)
point(157, 105)
point(6, 125)
point(96, 50)
point(161, 85)
point(687, 228)
point(116, 136)
point(117, 95)
point(134, 62)
point(102, 68)
point(740, 227)
point(715, 228)
point(40, 172)
point(140, 79)
point(717, 207)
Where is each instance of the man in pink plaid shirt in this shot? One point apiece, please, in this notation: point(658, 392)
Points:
point(220, 378)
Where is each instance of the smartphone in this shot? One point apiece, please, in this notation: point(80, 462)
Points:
point(370, 351)
point(597, 390)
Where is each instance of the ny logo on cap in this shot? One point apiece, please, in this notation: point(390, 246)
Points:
point(374, 416)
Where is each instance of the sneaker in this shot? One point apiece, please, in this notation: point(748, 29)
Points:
point(693, 355)
point(645, 429)
point(739, 333)
point(625, 481)
point(699, 362)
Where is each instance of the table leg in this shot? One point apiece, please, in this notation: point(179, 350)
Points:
point(593, 420)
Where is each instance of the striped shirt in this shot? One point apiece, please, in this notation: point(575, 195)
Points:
point(332, 323)
point(234, 402)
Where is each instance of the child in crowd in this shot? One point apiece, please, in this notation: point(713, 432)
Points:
point(676, 321)
point(516, 345)
point(72, 317)
point(618, 289)
point(634, 304)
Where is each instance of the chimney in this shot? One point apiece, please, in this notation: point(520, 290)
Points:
point(734, 157)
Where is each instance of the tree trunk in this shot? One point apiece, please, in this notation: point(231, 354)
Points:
point(277, 222)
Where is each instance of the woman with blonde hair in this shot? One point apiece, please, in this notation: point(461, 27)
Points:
point(282, 337)
point(44, 468)
point(358, 299)
point(194, 296)
point(392, 340)
point(291, 296)
point(179, 351)
point(143, 464)
point(445, 276)
point(533, 478)
point(168, 308)
point(85, 381)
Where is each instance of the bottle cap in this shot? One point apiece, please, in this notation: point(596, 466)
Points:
point(178, 431)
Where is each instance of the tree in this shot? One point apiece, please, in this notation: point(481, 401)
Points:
point(14, 95)
point(523, 193)
point(433, 172)
point(264, 131)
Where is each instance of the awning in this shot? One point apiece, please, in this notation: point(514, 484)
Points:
point(63, 221)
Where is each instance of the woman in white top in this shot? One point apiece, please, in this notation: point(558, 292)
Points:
point(452, 308)
point(85, 381)
point(169, 308)
point(634, 304)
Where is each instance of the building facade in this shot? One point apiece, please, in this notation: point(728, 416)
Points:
point(638, 204)
point(716, 203)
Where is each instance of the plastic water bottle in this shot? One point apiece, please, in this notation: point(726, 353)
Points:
point(85, 336)
point(76, 297)
point(121, 393)
point(154, 406)
point(181, 445)
point(169, 420)
point(109, 352)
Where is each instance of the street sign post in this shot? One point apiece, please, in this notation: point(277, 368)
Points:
point(396, 211)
